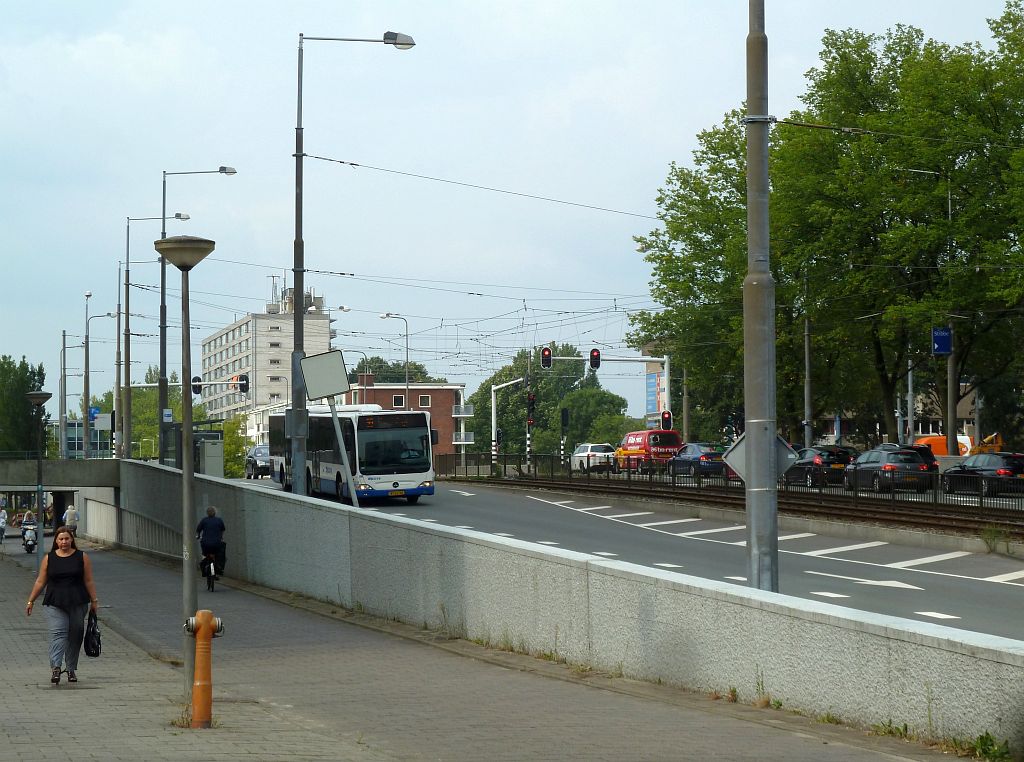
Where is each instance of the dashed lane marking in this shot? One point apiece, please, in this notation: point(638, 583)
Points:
point(464, 494)
point(503, 534)
point(562, 502)
point(710, 531)
point(670, 566)
point(627, 515)
point(936, 615)
point(737, 579)
point(844, 548)
point(927, 560)
point(663, 523)
point(781, 538)
point(593, 508)
point(463, 526)
point(546, 542)
point(874, 582)
point(604, 553)
point(1009, 577)
point(829, 595)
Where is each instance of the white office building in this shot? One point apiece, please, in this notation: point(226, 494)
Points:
point(260, 346)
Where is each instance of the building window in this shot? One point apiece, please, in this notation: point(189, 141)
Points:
point(424, 400)
point(275, 362)
point(398, 401)
point(276, 378)
point(275, 328)
point(275, 345)
point(275, 397)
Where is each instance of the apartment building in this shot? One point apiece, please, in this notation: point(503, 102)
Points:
point(259, 345)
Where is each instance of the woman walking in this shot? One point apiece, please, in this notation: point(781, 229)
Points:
point(66, 573)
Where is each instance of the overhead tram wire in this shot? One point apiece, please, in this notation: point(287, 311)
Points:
point(487, 188)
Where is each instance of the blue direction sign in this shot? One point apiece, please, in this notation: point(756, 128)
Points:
point(942, 341)
point(93, 412)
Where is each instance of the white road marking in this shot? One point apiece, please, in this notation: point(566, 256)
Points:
point(546, 542)
point(463, 526)
point(830, 595)
point(604, 553)
point(594, 508)
point(627, 515)
point(663, 523)
point(1005, 577)
point(875, 582)
point(563, 502)
point(503, 534)
point(460, 492)
point(710, 531)
point(844, 548)
point(928, 560)
point(398, 514)
point(936, 615)
point(430, 520)
point(669, 566)
point(738, 579)
point(781, 538)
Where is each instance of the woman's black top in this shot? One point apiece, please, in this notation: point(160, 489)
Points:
point(65, 581)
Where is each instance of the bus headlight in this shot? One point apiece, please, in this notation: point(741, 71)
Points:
point(427, 484)
point(362, 487)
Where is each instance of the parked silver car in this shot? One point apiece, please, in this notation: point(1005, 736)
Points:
point(592, 457)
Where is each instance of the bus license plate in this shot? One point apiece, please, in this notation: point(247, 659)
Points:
point(396, 493)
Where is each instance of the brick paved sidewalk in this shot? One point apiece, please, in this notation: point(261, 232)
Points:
point(296, 679)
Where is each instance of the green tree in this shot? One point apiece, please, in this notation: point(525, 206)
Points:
point(19, 419)
point(385, 372)
point(235, 447)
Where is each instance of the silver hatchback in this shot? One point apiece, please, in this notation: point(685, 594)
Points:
point(592, 457)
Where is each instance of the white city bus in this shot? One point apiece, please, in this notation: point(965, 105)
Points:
point(389, 452)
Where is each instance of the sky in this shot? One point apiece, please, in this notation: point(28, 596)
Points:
point(585, 104)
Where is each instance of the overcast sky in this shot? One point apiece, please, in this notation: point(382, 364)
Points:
point(583, 102)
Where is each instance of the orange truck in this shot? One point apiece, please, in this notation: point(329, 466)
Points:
point(938, 444)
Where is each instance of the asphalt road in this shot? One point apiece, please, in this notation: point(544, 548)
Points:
point(971, 591)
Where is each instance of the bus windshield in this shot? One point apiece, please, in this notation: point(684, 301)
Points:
point(393, 444)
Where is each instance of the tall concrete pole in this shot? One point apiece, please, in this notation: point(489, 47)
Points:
point(85, 389)
point(808, 408)
point(952, 378)
point(759, 325)
point(298, 417)
point(115, 435)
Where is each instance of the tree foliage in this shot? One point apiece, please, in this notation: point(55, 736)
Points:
point(569, 385)
point(895, 207)
point(236, 445)
point(385, 372)
point(19, 419)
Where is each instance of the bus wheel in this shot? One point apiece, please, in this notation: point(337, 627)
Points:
point(284, 485)
point(337, 489)
point(413, 499)
point(309, 483)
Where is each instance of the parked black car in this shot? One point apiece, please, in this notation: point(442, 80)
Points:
point(988, 472)
point(925, 451)
point(257, 462)
point(885, 469)
point(815, 466)
point(698, 459)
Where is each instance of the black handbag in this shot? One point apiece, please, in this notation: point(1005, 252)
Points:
point(91, 642)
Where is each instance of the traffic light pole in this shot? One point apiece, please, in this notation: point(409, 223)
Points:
point(494, 419)
point(664, 362)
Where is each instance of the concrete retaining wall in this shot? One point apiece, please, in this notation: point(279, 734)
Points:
point(705, 635)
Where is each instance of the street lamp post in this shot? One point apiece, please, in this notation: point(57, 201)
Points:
point(297, 418)
point(126, 401)
point(162, 392)
point(392, 315)
point(185, 252)
point(38, 399)
point(85, 418)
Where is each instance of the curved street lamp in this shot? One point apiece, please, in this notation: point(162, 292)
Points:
point(395, 316)
point(39, 398)
point(298, 412)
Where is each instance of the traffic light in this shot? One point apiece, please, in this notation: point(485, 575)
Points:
point(666, 420)
point(197, 384)
point(545, 357)
point(565, 418)
point(531, 406)
point(498, 436)
point(595, 358)
point(243, 384)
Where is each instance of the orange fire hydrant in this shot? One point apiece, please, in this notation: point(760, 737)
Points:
point(204, 626)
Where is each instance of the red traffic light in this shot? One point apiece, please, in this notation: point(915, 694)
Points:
point(595, 358)
point(529, 422)
point(545, 357)
point(666, 420)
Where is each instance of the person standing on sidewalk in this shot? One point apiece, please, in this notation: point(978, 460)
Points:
point(71, 520)
point(3, 523)
point(66, 573)
point(210, 533)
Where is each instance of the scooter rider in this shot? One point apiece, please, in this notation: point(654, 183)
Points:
point(28, 521)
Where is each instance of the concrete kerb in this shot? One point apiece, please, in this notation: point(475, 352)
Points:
point(544, 666)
